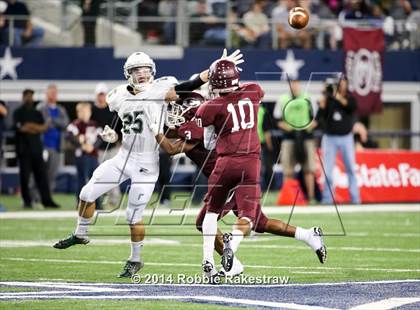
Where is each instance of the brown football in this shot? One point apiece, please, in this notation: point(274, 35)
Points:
point(298, 18)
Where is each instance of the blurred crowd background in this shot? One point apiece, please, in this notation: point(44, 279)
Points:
point(245, 23)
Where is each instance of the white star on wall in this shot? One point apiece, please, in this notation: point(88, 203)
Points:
point(290, 66)
point(8, 65)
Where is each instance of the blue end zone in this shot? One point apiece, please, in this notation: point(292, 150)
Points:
point(330, 295)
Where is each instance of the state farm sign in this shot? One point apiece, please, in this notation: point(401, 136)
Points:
point(383, 176)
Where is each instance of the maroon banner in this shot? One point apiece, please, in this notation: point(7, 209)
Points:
point(364, 67)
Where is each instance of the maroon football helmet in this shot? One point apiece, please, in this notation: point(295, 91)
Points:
point(223, 76)
point(183, 109)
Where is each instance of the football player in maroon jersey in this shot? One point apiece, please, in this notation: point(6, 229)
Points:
point(179, 115)
point(232, 116)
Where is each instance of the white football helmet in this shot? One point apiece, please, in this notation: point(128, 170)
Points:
point(139, 70)
point(183, 109)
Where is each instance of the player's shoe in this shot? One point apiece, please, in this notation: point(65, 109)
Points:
point(70, 241)
point(228, 255)
point(210, 272)
point(130, 269)
point(321, 252)
point(237, 269)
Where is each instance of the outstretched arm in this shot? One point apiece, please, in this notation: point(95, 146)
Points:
point(187, 86)
point(172, 148)
point(153, 121)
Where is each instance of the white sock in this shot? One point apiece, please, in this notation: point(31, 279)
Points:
point(135, 251)
point(237, 237)
point(307, 236)
point(209, 235)
point(301, 234)
point(82, 227)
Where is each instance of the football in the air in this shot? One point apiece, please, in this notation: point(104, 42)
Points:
point(298, 18)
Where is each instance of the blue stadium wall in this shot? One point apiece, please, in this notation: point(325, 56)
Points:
point(100, 64)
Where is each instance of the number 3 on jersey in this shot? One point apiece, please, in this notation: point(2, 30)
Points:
point(132, 123)
point(244, 124)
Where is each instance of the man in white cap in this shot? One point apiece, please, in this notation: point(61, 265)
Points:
point(104, 117)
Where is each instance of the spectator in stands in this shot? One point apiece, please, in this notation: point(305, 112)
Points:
point(3, 6)
point(149, 30)
point(335, 6)
point(208, 31)
point(356, 9)
point(168, 8)
point(24, 33)
point(90, 12)
point(29, 125)
point(57, 123)
point(331, 33)
point(298, 146)
point(103, 116)
point(286, 34)
point(405, 11)
point(257, 23)
point(336, 112)
point(83, 134)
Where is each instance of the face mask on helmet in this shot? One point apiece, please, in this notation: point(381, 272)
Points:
point(139, 70)
point(174, 116)
point(183, 110)
point(140, 77)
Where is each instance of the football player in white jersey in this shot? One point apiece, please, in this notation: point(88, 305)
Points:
point(138, 157)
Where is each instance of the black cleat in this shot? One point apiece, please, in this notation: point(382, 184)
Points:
point(130, 269)
point(322, 251)
point(228, 255)
point(210, 272)
point(70, 241)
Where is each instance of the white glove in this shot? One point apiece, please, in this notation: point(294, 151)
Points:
point(153, 122)
point(235, 57)
point(109, 135)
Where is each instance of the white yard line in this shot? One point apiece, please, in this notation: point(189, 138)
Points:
point(157, 241)
point(71, 261)
point(99, 285)
point(348, 248)
point(77, 288)
point(210, 298)
point(387, 304)
point(267, 210)
point(402, 235)
point(49, 243)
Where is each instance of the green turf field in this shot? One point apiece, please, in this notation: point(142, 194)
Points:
point(376, 246)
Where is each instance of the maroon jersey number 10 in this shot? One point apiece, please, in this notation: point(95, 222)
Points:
point(244, 124)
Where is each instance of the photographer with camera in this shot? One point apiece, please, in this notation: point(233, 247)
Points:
point(336, 113)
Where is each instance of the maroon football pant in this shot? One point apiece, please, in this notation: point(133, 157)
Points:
point(240, 174)
point(258, 226)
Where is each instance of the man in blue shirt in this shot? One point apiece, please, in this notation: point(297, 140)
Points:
point(52, 137)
